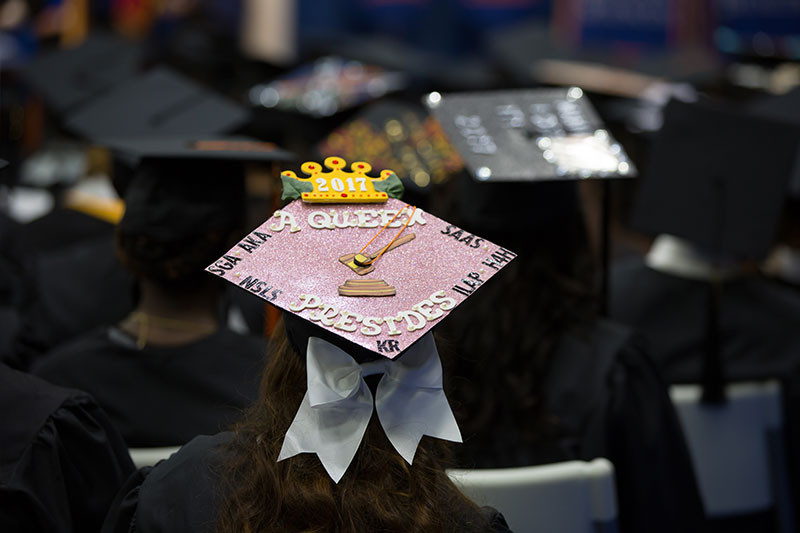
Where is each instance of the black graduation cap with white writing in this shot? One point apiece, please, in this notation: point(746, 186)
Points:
point(72, 77)
point(397, 135)
point(529, 135)
point(161, 102)
point(717, 178)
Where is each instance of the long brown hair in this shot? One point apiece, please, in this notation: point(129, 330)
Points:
point(379, 491)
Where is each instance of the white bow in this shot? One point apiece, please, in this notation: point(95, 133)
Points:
point(336, 409)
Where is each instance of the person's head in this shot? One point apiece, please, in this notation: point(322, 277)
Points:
point(348, 432)
point(378, 492)
point(706, 183)
point(180, 216)
point(506, 337)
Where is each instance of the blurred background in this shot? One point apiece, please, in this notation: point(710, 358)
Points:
point(697, 100)
point(303, 69)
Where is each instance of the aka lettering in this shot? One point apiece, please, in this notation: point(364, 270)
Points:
point(253, 241)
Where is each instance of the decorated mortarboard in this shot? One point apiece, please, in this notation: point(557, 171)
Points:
point(72, 77)
point(350, 257)
point(717, 178)
point(326, 87)
point(158, 103)
point(529, 135)
point(400, 136)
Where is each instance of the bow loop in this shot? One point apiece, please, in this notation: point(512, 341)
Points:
point(337, 407)
point(332, 375)
point(410, 401)
point(417, 367)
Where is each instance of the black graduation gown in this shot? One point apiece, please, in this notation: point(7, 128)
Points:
point(63, 228)
point(759, 322)
point(61, 459)
point(608, 401)
point(78, 288)
point(759, 334)
point(182, 494)
point(16, 287)
point(78, 282)
point(84, 286)
point(162, 396)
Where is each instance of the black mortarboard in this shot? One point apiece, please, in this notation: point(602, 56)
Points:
point(529, 135)
point(717, 178)
point(158, 103)
point(70, 78)
point(785, 108)
point(182, 186)
point(400, 136)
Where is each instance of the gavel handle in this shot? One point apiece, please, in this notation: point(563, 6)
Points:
point(402, 240)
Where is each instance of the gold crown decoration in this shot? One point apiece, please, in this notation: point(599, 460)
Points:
point(339, 186)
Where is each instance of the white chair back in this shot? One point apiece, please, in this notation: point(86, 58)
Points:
point(737, 449)
point(569, 497)
point(150, 456)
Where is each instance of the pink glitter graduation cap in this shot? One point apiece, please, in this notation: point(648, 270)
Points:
point(374, 270)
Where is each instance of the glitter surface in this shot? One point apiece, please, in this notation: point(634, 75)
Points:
point(306, 262)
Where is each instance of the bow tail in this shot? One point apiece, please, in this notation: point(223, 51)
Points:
point(408, 413)
point(333, 432)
